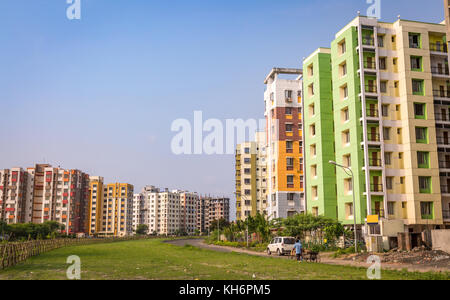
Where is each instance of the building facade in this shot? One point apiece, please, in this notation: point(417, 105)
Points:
point(251, 178)
point(96, 193)
point(15, 198)
point(284, 135)
point(389, 92)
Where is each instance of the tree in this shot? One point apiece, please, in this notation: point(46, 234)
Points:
point(222, 222)
point(142, 229)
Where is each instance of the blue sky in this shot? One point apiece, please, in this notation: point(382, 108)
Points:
point(99, 94)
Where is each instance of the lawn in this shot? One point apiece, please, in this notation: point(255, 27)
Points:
point(153, 259)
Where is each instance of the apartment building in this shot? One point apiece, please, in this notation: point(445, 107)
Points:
point(210, 209)
point(139, 211)
point(202, 213)
point(284, 135)
point(15, 196)
point(319, 134)
point(117, 210)
point(96, 193)
point(251, 178)
point(188, 215)
point(389, 92)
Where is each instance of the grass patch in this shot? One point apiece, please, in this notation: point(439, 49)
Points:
point(152, 259)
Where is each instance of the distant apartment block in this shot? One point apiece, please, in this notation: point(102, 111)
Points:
point(210, 209)
point(251, 178)
point(388, 84)
point(116, 210)
point(16, 205)
point(284, 136)
point(95, 204)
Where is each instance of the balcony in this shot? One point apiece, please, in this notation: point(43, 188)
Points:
point(371, 89)
point(445, 189)
point(446, 214)
point(442, 93)
point(442, 117)
point(370, 65)
point(442, 48)
point(372, 113)
point(377, 212)
point(375, 162)
point(376, 188)
point(444, 164)
point(439, 71)
point(443, 141)
point(368, 41)
point(373, 137)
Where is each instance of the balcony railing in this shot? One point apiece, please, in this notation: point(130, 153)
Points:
point(373, 137)
point(445, 189)
point(368, 41)
point(371, 88)
point(372, 113)
point(377, 212)
point(444, 164)
point(442, 93)
point(376, 188)
point(442, 117)
point(439, 71)
point(442, 141)
point(439, 48)
point(369, 65)
point(374, 162)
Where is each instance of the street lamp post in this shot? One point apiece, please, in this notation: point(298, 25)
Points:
point(354, 201)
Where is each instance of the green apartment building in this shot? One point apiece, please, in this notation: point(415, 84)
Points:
point(377, 103)
point(319, 134)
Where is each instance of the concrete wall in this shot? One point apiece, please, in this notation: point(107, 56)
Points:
point(441, 240)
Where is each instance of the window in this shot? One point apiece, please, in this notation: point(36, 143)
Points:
point(344, 92)
point(345, 115)
point(313, 150)
point(387, 133)
point(290, 196)
point(416, 63)
point(347, 160)
point(381, 41)
point(288, 95)
point(314, 171)
point(313, 130)
point(382, 63)
point(389, 181)
point(288, 110)
point(348, 184)
point(311, 70)
point(311, 89)
point(423, 160)
point(289, 146)
point(417, 87)
point(289, 127)
point(246, 160)
point(419, 110)
point(290, 180)
point(290, 163)
point(314, 192)
point(425, 185)
point(349, 211)
point(385, 110)
point(342, 47)
point(414, 40)
point(387, 158)
point(391, 210)
point(426, 210)
point(383, 87)
point(343, 69)
point(422, 135)
point(247, 150)
point(346, 137)
point(312, 110)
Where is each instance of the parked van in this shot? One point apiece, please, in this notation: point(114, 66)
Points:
point(281, 246)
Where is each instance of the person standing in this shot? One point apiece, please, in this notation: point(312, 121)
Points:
point(298, 250)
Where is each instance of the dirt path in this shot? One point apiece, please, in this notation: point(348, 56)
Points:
point(325, 258)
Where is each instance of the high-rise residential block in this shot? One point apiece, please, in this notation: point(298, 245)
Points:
point(188, 215)
point(319, 134)
point(284, 129)
point(251, 178)
point(391, 122)
point(15, 196)
point(95, 204)
point(117, 210)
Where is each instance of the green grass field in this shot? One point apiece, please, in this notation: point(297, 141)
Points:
point(152, 259)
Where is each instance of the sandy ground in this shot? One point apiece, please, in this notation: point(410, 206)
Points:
point(325, 258)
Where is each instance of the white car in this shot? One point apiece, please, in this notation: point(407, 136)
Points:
point(281, 245)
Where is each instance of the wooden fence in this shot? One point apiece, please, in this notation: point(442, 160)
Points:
point(14, 253)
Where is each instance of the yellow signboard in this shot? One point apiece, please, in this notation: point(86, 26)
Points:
point(373, 219)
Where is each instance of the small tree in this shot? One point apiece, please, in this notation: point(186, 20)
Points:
point(142, 229)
